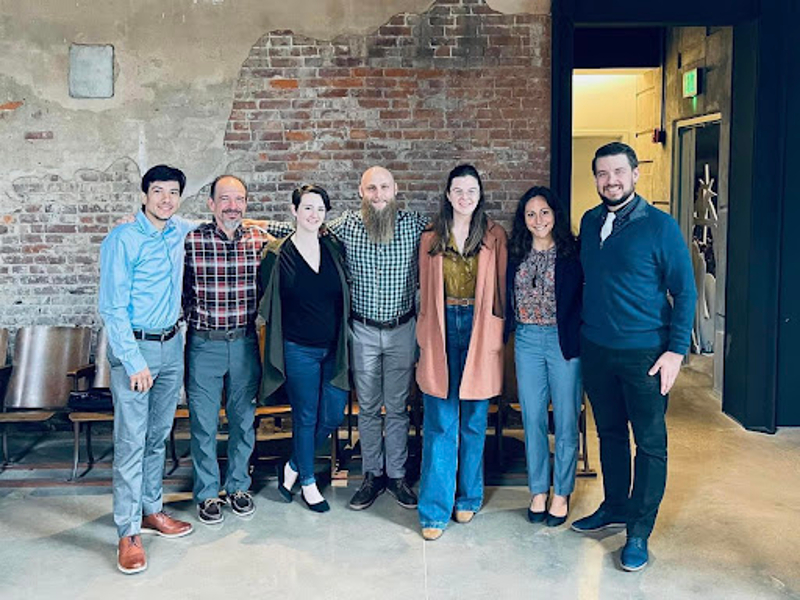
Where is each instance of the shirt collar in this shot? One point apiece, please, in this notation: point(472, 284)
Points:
point(624, 212)
point(148, 228)
point(223, 236)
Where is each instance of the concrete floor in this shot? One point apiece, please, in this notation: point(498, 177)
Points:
point(729, 529)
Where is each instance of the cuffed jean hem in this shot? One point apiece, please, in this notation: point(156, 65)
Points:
point(433, 525)
point(473, 507)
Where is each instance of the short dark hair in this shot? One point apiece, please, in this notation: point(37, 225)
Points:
point(301, 191)
point(613, 149)
point(226, 176)
point(163, 173)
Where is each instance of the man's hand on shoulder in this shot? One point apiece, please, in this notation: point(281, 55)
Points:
point(141, 381)
point(125, 219)
point(669, 365)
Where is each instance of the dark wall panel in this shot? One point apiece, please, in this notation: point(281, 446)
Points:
point(789, 333)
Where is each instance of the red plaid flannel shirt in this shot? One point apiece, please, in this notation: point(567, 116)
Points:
point(220, 277)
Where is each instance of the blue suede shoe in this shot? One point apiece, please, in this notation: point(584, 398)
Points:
point(597, 521)
point(634, 554)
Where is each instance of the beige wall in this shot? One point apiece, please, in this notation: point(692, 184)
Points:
point(603, 110)
point(616, 105)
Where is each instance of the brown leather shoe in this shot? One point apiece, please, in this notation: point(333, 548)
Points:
point(130, 555)
point(165, 526)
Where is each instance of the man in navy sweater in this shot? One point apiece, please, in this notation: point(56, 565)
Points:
point(632, 343)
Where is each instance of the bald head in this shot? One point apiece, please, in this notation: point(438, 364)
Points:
point(377, 188)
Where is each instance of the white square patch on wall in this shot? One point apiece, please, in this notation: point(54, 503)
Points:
point(91, 71)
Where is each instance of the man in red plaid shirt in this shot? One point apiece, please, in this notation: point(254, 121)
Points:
point(220, 299)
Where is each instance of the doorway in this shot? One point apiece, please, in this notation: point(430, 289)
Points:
point(702, 212)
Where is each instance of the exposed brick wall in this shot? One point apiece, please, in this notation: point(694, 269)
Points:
point(50, 243)
point(460, 83)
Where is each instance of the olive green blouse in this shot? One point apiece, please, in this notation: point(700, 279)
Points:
point(460, 272)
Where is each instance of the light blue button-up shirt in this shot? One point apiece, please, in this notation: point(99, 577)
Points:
point(141, 277)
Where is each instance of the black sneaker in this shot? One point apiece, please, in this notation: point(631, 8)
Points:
point(404, 495)
point(241, 503)
point(370, 489)
point(209, 511)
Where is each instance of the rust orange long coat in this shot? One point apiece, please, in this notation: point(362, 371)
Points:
point(483, 371)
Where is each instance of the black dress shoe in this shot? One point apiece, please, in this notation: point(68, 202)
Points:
point(553, 521)
point(285, 493)
point(370, 489)
point(319, 507)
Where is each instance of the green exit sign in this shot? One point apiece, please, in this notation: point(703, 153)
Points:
point(691, 83)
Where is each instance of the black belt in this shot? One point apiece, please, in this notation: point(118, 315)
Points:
point(391, 324)
point(227, 335)
point(156, 336)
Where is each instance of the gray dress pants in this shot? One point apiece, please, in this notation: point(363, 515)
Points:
point(383, 365)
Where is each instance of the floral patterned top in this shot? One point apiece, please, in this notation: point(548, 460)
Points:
point(535, 288)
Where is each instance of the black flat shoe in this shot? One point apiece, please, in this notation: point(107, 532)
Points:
point(538, 517)
point(285, 493)
point(553, 521)
point(319, 507)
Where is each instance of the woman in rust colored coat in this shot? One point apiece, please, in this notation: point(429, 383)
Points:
point(462, 261)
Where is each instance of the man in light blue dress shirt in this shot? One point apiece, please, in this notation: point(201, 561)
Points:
point(141, 273)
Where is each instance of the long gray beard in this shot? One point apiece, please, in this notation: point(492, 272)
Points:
point(379, 223)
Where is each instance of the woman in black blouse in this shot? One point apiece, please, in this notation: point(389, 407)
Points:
point(545, 286)
point(306, 308)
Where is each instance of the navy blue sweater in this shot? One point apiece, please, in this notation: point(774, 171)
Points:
point(625, 304)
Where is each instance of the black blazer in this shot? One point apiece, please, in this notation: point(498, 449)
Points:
point(569, 302)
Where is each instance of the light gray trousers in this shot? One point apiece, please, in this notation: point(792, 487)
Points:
point(383, 365)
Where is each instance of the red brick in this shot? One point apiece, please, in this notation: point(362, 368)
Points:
point(284, 84)
point(11, 105)
point(347, 82)
point(299, 136)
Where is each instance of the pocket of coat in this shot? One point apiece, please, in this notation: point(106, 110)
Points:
point(494, 333)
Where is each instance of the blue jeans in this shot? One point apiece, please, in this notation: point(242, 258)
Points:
point(453, 436)
point(317, 406)
point(212, 364)
point(142, 422)
point(544, 376)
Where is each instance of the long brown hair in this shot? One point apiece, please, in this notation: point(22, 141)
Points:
point(443, 220)
point(521, 238)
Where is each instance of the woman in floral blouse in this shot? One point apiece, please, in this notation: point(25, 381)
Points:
point(545, 284)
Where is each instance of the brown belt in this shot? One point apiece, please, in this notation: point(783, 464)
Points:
point(459, 301)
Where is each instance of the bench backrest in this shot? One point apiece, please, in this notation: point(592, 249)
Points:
point(43, 355)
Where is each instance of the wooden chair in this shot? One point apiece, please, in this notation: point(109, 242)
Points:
point(99, 376)
point(39, 385)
